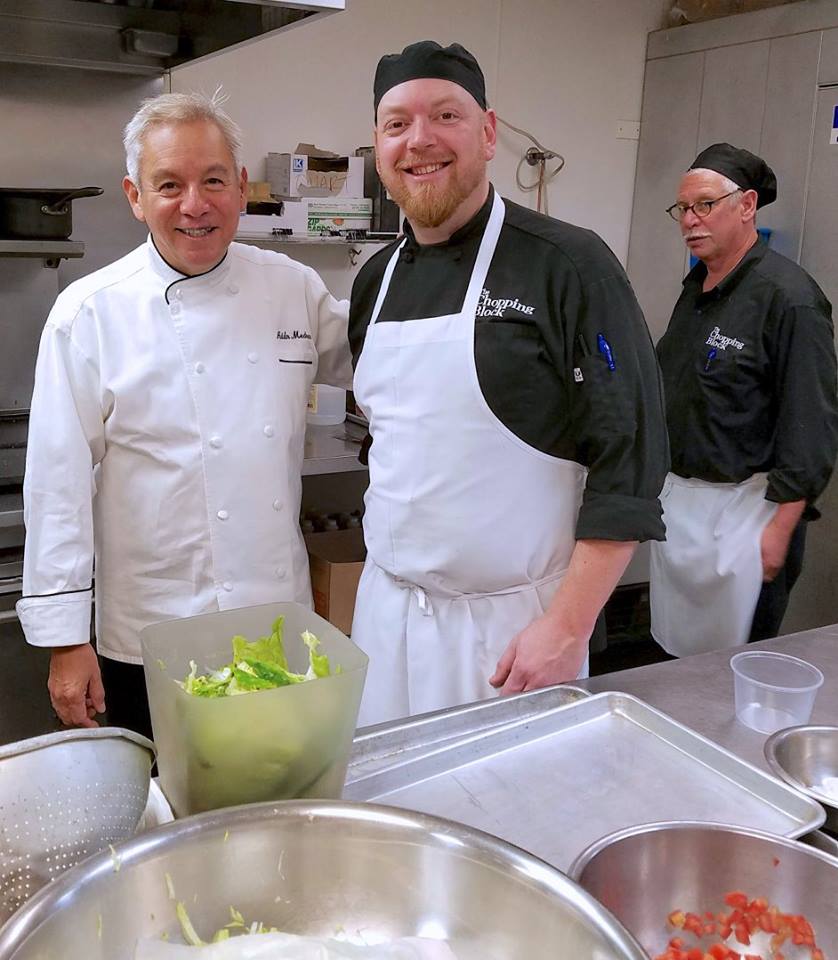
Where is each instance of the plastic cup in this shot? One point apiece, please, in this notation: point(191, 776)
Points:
point(773, 690)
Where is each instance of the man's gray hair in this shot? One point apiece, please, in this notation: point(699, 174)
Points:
point(178, 108)
point(727, 184)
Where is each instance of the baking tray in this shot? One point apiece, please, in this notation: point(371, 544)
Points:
point(386, 745)
point(559, 779)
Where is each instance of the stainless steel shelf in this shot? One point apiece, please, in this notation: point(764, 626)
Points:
point(263, 240)
point(46, 249)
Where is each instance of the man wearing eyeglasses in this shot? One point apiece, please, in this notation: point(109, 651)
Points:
point(749, 376)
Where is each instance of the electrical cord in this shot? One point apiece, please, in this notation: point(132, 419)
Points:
point(536, 155)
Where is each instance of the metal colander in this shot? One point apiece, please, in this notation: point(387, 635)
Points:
point(63, 797)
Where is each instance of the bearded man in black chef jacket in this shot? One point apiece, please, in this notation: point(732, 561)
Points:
point(518, 444)
point(749, 372)
point(166, 432)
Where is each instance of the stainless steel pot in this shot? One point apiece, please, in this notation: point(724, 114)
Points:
point(314, 867)
point(33, 213)
point(643, 873)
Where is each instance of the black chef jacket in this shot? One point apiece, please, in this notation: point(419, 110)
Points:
point(750, 378)
point(551, 291)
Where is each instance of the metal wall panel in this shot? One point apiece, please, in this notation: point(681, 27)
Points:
point(828, 70)
point(63, 127)
point(787, 134)
point(814, 601)
point(733, 95)
point(669, 125)
point(27, 292)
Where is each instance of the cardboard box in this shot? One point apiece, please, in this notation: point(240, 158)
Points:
point(303, 175)
point(336, 559)
point(293, 217)
point(331, 214)
point(258, 190)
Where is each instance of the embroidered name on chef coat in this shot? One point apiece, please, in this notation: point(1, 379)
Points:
point(718, 340)
point(293, 335)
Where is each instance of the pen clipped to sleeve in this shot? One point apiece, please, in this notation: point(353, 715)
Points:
point(604, 348)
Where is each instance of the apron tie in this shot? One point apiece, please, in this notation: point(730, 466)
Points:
point(426, 607)
point(422, 598)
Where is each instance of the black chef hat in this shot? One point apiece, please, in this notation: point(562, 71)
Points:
point(744, 168)
point(428, 59)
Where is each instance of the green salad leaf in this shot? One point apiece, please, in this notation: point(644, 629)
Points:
point(257, 665)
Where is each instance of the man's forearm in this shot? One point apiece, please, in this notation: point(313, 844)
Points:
point(788, 515)
point(595, 569)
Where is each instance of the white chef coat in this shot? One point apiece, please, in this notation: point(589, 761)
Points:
point(166, 441)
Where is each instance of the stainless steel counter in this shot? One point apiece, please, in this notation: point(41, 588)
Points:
point(698, 691)
point(332, 449)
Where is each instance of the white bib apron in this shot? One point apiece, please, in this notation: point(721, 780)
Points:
point(706, 578)
point(469, 529)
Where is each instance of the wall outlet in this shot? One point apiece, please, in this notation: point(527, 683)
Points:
point(628, 130)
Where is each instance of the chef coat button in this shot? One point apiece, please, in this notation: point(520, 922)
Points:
point(222, 514)
point(179, 293)
point(174, 309)
point(199, 367)
point(280, 572)
point(227, 585)
point(252, 357)
point(268, 430)
point(216, 443)
point(277, 504)
point(233, 289)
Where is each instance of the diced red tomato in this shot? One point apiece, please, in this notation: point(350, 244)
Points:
point(736, 899)
point(745, 918)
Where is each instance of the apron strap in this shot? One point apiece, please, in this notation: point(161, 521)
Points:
point(385, 282)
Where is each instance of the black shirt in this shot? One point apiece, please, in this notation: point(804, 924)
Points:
point(750, 378)
point(551, 290)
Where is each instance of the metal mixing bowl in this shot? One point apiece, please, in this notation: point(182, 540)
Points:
point(643, 873)
point(805, 757)
point(320, 868)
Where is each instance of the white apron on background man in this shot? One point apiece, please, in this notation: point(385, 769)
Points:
point(469, 529)
point(707, 576)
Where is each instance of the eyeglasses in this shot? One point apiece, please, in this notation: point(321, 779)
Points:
point(701, 208)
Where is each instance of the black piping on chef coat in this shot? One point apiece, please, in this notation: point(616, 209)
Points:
point(750, 378)
point(551, 289)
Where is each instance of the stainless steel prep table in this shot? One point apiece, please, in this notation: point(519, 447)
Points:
point(698, 691)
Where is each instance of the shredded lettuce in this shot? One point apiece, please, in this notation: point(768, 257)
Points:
point(257, 665)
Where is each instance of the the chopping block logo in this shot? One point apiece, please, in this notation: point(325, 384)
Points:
point(718, 340)
point(489, 306)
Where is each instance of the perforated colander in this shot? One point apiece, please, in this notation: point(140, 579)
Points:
point(63, 797)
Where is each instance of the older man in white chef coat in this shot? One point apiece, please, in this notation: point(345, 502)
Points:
point(168, 418)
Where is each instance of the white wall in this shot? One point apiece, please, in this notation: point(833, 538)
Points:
point(565, 70)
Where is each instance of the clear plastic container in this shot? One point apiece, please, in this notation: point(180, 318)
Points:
point(287, 743)
point(326, 405)
point(773, 690)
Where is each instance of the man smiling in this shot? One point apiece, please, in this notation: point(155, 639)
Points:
point(518, 444)
point(168, 417)
point(748, 364)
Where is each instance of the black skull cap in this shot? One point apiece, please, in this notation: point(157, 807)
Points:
point(744, 168)
point(427, 59)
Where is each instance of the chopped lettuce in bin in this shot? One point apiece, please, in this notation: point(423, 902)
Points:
point(260, 665)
